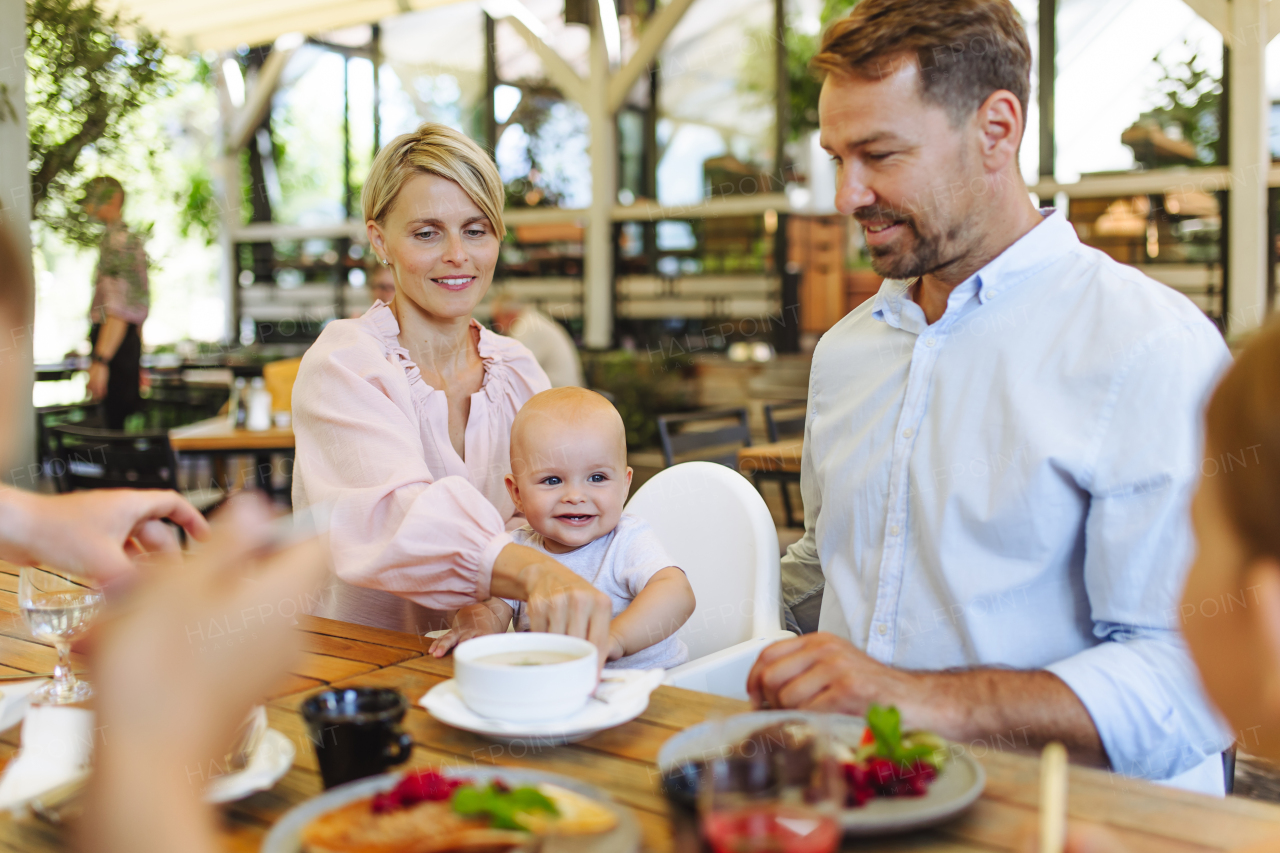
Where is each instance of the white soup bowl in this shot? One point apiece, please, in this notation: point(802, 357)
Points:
point(525, 694)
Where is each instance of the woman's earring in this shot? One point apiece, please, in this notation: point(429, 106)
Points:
point(384, 262)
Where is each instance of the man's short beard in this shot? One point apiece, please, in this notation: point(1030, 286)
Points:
point(926, 256)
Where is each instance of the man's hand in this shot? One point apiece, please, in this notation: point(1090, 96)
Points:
point(98, 374)
point(821, 672)
point(97, 533)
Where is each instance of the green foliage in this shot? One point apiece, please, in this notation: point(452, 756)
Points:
point(803, 85)
point(503, 808)
point(643, 386)
point(886, 726)
point(198, 206)
point(1192, 102)
point(84, 82)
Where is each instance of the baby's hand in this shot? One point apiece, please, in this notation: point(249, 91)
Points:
point(474, 620)
point(441, 645)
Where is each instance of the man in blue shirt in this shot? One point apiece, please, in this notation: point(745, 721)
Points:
point(1001, 446)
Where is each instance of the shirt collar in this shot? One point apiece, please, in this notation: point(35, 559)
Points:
point(1039, 247)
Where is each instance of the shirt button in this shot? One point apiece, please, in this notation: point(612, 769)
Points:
point(908, 432)
point(895, 530)
point(882, 628)
point(992, 294)
point(930, 342)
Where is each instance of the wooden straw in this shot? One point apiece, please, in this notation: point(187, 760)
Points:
point(1053, 798)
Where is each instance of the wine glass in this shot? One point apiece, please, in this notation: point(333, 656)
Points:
point(58, 608)
point(779, 792)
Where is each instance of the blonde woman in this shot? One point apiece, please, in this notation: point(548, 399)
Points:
point(403, 416)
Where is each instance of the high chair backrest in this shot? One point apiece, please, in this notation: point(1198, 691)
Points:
point(717, 528)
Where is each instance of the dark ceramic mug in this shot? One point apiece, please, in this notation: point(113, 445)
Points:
point(356, 732)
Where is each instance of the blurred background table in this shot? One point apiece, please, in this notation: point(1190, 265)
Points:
point(1145, 816)
point(775, 456)
point(217, 435)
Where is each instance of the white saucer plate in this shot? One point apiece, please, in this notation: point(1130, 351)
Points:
point(285, 836)
point(268, 764)
point(440, 702)
point(957, 787)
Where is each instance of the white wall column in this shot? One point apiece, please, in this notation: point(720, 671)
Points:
point(15, 217)
point(1250, 160)
point(597, 308)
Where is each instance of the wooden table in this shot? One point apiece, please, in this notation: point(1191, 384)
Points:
point(1147, 817)
point(776, 456)
point(216, 435)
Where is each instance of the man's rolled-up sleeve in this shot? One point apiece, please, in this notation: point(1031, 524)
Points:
point(1139, 684)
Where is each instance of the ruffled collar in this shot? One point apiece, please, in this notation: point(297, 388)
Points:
point(384, 324)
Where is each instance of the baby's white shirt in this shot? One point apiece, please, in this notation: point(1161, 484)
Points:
point(619, 564)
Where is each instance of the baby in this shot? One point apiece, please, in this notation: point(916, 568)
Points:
point(570, 479)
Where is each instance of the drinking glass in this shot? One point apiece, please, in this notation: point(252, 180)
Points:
point(58, 608)
point(773, 797)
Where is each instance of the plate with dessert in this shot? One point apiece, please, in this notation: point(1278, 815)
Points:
point(477, 810)
point(895, 781)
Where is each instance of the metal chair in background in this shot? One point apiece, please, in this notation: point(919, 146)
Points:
point(784, 420)
point(47, 417)
point(683, 436)
point(90, 458)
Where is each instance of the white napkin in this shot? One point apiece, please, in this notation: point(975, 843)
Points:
point(15, 698)
point(618, 689)
point(270, 761)
point(57, 742)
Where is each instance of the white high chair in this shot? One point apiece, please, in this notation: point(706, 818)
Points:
point(717, 528)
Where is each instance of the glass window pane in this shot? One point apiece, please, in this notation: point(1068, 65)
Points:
point(715, 101)
point(1107, 77)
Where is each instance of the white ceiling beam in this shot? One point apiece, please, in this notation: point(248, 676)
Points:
point(651, 40)
point(258, 101)
point(558, 71)
point(1216, 12)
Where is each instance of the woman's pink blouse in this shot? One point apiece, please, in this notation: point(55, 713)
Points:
point(412, 525)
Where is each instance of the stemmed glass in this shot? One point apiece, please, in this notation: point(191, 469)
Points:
point(58, 608)
point(776, 793)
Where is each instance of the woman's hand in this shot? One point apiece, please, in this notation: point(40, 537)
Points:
point(560, 602)
point(474, 620)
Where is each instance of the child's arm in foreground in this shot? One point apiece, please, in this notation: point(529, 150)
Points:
point(665, 603)
point(484, 617)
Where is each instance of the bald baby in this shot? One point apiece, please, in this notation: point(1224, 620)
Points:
point(569, 477)
point(569, 473)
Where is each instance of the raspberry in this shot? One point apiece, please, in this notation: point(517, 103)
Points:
point(425, 786)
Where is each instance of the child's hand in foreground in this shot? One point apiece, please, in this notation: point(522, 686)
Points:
point(474, 620)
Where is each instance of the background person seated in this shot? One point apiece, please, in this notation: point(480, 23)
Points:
point(550, 344)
